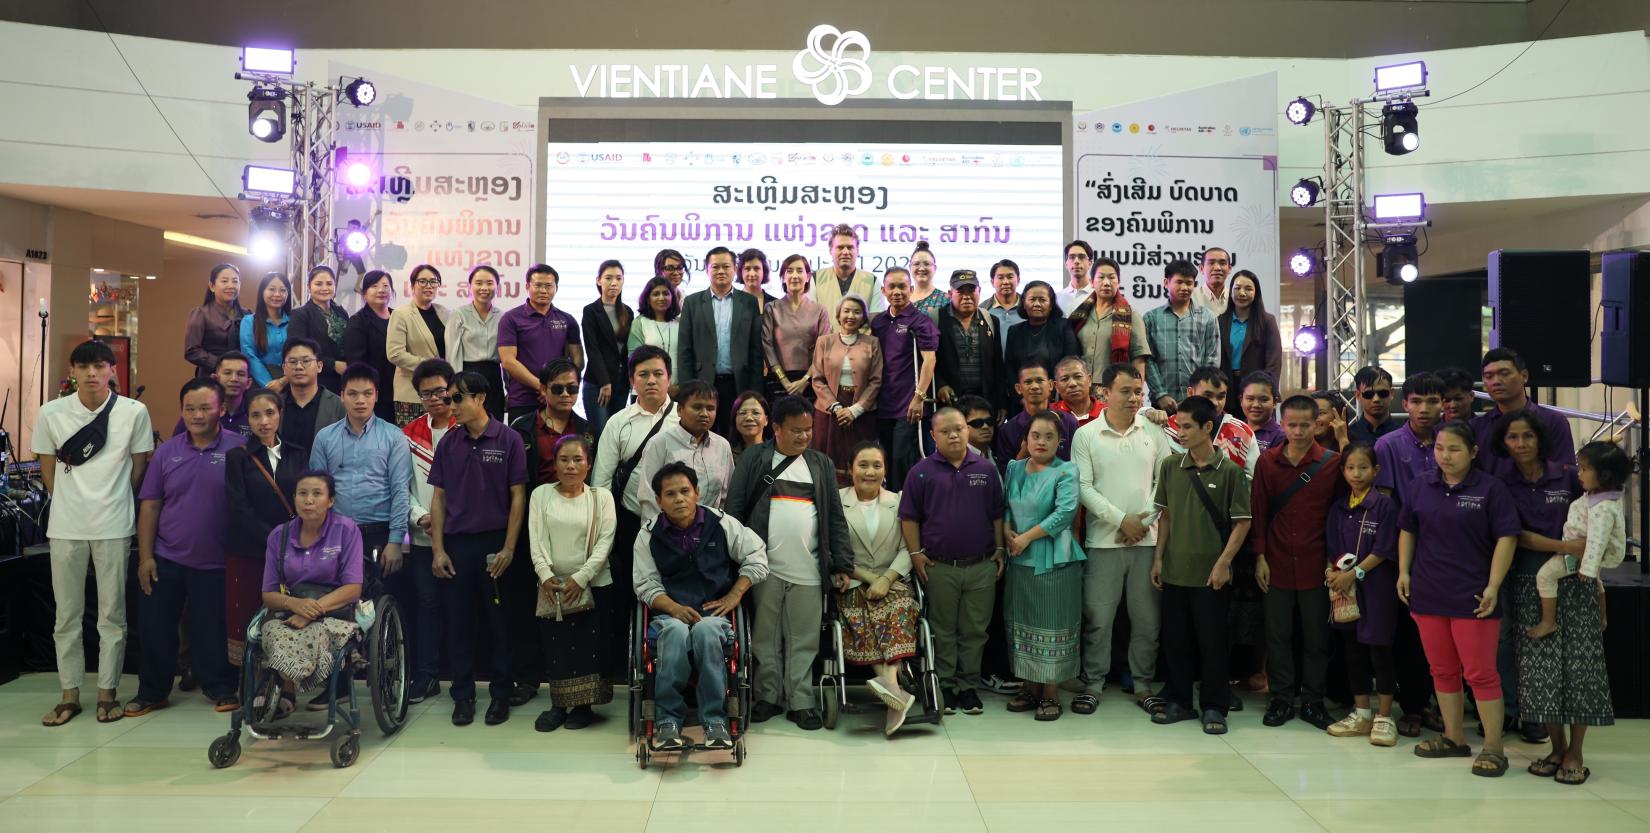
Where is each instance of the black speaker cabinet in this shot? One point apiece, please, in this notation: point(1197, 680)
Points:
point(1441, 323)
point(1624, 357)
point(1543, 303)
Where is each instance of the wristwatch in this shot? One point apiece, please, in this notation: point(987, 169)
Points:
point(1358, 573)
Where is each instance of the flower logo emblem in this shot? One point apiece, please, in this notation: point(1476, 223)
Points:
point(834, 64)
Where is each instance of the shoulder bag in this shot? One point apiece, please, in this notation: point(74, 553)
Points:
point(550, 605)
point(89, 440)
point(627, 466)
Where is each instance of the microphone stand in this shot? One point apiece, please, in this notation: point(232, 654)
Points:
point(43, 350)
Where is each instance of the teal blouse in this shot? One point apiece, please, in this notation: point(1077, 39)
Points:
point(1049, 499)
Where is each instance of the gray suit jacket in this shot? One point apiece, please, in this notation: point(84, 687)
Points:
point(886, 550)
point(698, 341)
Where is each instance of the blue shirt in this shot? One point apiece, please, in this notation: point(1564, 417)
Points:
point(275, 337)
point(372, 469)
point(1240, 330)
point(722, 310)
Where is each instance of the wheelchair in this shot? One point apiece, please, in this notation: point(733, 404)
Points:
point(916, 674)
point(380, 650)
point(642, 702)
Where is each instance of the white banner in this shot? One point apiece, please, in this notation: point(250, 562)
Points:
point(1171, 177)
point(453, 186)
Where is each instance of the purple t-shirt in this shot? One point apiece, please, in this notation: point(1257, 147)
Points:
point(1544, 504)
point(899, 361)
point(956, 507)
point(1455, 530)
point(1561, 446)
point(1006, 445)
point(335, 557)
point(476, 475)
point(538, 339)
point(1269, 435)
point(194, 507)
point(1371, 527)
point(1402, 458)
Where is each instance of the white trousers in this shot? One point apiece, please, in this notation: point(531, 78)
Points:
point(70, 562)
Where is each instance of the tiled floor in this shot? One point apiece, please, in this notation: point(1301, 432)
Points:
point(994, 772)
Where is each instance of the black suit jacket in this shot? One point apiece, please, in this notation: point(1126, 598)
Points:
point(698, 340)
point(1262, 350)
point(308, 321)
point(254, 508)
point(604, 354)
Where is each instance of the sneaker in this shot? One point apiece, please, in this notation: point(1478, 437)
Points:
point(1315, 714)
point(764, 711)
point(1278, 712)
point(950, 700)
point(806, 719)
point(1353, 726)
point(892, 699)
point(667, 737)
point(896, 716)
point(1383, 732)
point(969, 702)
point(422, 690)
point(718, 737)
point(999, 685)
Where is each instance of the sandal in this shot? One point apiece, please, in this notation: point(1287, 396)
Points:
point(1544, 768)
point(1497, 764)
point(141, 707)
point(1172, 713)
point(1410, 725)
point(1442, 747)
point(1084, 704)
point(1572, 777)
point(108, 711)
point(1214, 723)
point(1151, 704)
point(58, 712)
point(1048, 710)
point(1022, 702)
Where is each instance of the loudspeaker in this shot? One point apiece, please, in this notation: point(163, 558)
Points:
point(1624, 358)
point(1542, 304)
point(1441, 323)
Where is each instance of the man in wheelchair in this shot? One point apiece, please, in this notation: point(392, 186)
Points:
point(693, 564)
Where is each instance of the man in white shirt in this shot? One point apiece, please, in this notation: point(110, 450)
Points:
point(93, 519)
point(1079, 254)
point(1211, 293)
point(431, 379)
point(689, 439)
point(1117, 456)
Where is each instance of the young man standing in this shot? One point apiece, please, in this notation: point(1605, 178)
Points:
point(982, 425)
point(1034, 389)
point(909, 340)
point(1204, 500)
point(721, 337)
point(1458, 398)
point(689, 439)
point(232, 372)
point(1374, 406)
point(181, 524)
point(1183, 337)
point(1507, 381)
point(479, 477)
point(91, 474)
point(951, 516)
point(1294, 485)
point(432, 379)
point(1260, 400)
point(308, 407)
point(530, 336)
point(1075, 384)
point(1406, 454)
point(1212, 294)
point(1079, 254)
point(786, 493)
point(1118, 456)
point(1232, 437)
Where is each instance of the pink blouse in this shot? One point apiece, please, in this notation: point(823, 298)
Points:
point(788, 335)
point(864, 358)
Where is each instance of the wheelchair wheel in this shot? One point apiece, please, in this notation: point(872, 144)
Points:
point(345, 749)
point(224, 751)
point(387, 667)
point(831, 707)
point(739, 751)
point(643, 754)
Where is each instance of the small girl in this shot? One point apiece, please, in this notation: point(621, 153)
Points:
point(1363, 523)
point(1595, 529)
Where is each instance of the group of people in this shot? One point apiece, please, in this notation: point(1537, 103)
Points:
point(1040, 461)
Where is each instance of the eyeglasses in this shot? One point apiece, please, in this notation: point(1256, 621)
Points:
point(427, 282)
point(541, 285)
point(673, 268)
point(1375, 394)
point(432, 394)
point(979, 424)
point(304, 362)
point(562, 390)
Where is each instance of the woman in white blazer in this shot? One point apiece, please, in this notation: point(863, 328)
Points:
point(416, 332)
point(879, 609)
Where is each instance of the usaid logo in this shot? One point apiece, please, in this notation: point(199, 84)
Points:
point(835, 64)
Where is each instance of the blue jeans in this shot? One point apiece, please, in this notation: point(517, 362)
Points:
point(597, 415)
point(682, 650)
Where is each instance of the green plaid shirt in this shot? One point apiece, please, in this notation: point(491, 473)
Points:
point(1180, 345)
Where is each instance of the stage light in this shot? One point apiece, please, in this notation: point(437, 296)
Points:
point(1398, 260)
point(1299, 111)
point(353, 240)
point(357, 174)
point(1305, 193)
point(1309, 341)
point(1399, 208)
point(268, 61)
point(1400, 127)
point(268, 235)
point(361, 92)
point(1303, 262)
point(1405, 76)
point(266, 113)
point(269, 182)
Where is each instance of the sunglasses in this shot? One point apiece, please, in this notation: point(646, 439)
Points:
point(562, 390)
point(1375, 394)
point(979, 424)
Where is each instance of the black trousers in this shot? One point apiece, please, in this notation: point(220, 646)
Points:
point(400, 586)
point(1303, 677)
point(518, 590)
point(495, 385)
point(620, 603)
point(158, 616)
point(1365, 661)
point(899, 440)
point(1195, 643)
point(426, 658)
point(1409, 661)
point(996, 658)
point(726, 392)
point(468, 596)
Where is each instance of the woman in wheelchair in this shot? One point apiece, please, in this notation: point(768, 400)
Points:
point(312, 580)
point(692, 566)
point(879, 611)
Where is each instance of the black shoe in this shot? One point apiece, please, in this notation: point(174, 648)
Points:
point(1278, 712)
point(318, 703)
point(522, 693)
point(949, 703)
point(1315, 714)
point(764, 711)
point(498, 711)
point(422, 690)
point(187, 681)
point(1533, 732)
point(580, 717)
point(550, 721)
point(1234, 703)
point(464, 712)
point(969, 702)
point(806, 719)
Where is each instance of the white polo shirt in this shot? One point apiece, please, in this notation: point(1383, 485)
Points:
point(1117, 473)
point(93, 502)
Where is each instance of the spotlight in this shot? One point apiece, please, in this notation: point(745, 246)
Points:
point(1400, 208)
point(357, 174)
point(1400, 127)
point(1406, 76)
point(1303, 262)
point(266, 113)
point(260, 181)
point(353, 240)
point(268, 235)
point(268, 61)
point(1299, 111)
point(1309, 341)
point(1398, 260)
point(361, 92)
point(1305, 193)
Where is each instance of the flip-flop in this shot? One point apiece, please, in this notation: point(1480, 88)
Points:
point(1151, 705)
point(1544, 768)
point(140, 707)
point(1214, 723)
point(1048, 710)
point(108, 711)
point(70, 709)
point(1084, 704)
point(1573, 780)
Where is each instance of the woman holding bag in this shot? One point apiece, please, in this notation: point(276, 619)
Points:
point(570, 529)
point(260, 478)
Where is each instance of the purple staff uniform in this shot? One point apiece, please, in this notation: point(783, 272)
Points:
point(1270, 435)
point(194, 507)
point(956, 508)
point(1544, 504)
point(1369, 527)
point(1402, 458)
point(476, 475)
point(1455, 530)
point(899, 361)
point(538, 339)
point(334, 558)
point(1561, 446)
